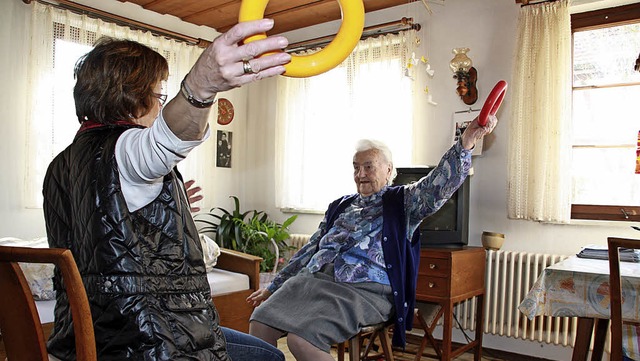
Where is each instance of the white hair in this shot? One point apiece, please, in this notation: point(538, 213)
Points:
point(364, 145)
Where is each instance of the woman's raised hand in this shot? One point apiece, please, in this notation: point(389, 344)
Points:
point(228, 63)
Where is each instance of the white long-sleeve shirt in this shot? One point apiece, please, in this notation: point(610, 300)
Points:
point(145, 156)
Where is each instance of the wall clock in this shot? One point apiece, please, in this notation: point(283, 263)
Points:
point(225, 111)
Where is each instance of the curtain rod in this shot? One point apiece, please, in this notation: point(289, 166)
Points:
point(109, 17)
point(530, 2)
point(374, 30)
point(370, 31)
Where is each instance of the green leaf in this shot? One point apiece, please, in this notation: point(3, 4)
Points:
point(289, 220)
point(249, 231)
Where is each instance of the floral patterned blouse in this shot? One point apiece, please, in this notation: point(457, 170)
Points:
point(354, 245)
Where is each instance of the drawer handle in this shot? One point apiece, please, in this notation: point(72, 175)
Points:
point(432, 266)
point(431, 285)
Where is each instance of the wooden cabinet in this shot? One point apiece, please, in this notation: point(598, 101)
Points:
point(448, 276)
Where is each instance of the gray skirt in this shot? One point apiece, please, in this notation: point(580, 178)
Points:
point(322, 311)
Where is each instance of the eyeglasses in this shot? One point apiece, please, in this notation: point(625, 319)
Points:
point(161, 97)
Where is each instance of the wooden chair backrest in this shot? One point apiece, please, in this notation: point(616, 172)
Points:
point(22, 332)
point(615, 291)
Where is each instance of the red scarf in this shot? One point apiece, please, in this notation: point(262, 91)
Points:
point(91, 124)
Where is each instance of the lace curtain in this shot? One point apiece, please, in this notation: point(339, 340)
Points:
point(539, 142)
point(319, 120)
point(58, 38)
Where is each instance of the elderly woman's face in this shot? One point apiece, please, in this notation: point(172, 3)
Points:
point(370, 171)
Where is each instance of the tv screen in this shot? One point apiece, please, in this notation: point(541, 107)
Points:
point(449, 226)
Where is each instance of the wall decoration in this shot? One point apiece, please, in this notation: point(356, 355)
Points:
point(225, 111)
point(461, 121)
point(223, 155)
point(411, 68)
point(466, 76)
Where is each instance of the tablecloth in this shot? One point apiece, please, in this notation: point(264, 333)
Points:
point(579, 287)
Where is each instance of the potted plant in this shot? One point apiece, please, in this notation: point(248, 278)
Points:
point(250, 232)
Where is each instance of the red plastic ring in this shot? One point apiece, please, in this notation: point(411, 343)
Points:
point(493, 102)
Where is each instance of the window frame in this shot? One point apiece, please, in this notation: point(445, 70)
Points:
point(621, 15)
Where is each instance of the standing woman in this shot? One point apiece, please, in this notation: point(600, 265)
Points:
point(116, 200)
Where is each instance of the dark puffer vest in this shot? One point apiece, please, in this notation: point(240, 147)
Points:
point(143, 271)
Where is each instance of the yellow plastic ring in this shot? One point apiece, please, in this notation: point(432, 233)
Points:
point(326, 59)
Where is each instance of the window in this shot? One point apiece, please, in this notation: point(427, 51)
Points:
point(320, 119)
point(606, 120)
point(59, 38)
point(64, 111)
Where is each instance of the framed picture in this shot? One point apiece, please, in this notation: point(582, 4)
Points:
point(461, 121)
point(638, 150)
point(223, 154)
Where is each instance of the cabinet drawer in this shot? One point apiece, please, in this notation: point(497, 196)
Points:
point(432, 286)
point(435, 266)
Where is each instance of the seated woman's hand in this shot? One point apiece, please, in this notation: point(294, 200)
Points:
point(475, 131)
point(258, 296)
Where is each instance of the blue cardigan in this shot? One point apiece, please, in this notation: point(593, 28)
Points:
point(401, 256)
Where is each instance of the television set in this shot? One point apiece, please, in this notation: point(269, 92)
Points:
point(449, 226)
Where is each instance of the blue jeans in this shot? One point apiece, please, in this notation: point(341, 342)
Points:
point(244, 347)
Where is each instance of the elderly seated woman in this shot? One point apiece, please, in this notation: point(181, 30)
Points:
point(360, 267)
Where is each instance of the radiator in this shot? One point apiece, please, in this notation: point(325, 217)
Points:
point(509, 276)
point(298, 240)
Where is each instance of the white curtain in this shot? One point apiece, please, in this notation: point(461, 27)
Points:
point(319, 119)
point(58, 38)
point(539, 139)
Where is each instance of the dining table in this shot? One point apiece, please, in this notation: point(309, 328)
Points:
point(579, 287)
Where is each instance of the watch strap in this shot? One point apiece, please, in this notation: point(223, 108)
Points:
point(192, 99)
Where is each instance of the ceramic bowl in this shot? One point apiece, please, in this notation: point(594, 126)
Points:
point(492, 241)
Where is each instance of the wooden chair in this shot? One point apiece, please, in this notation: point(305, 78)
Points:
point(427, 315)
point(615, 292)
point(368, 335)
point(19, 320)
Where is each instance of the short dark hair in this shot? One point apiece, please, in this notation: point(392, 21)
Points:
point(115, 81)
